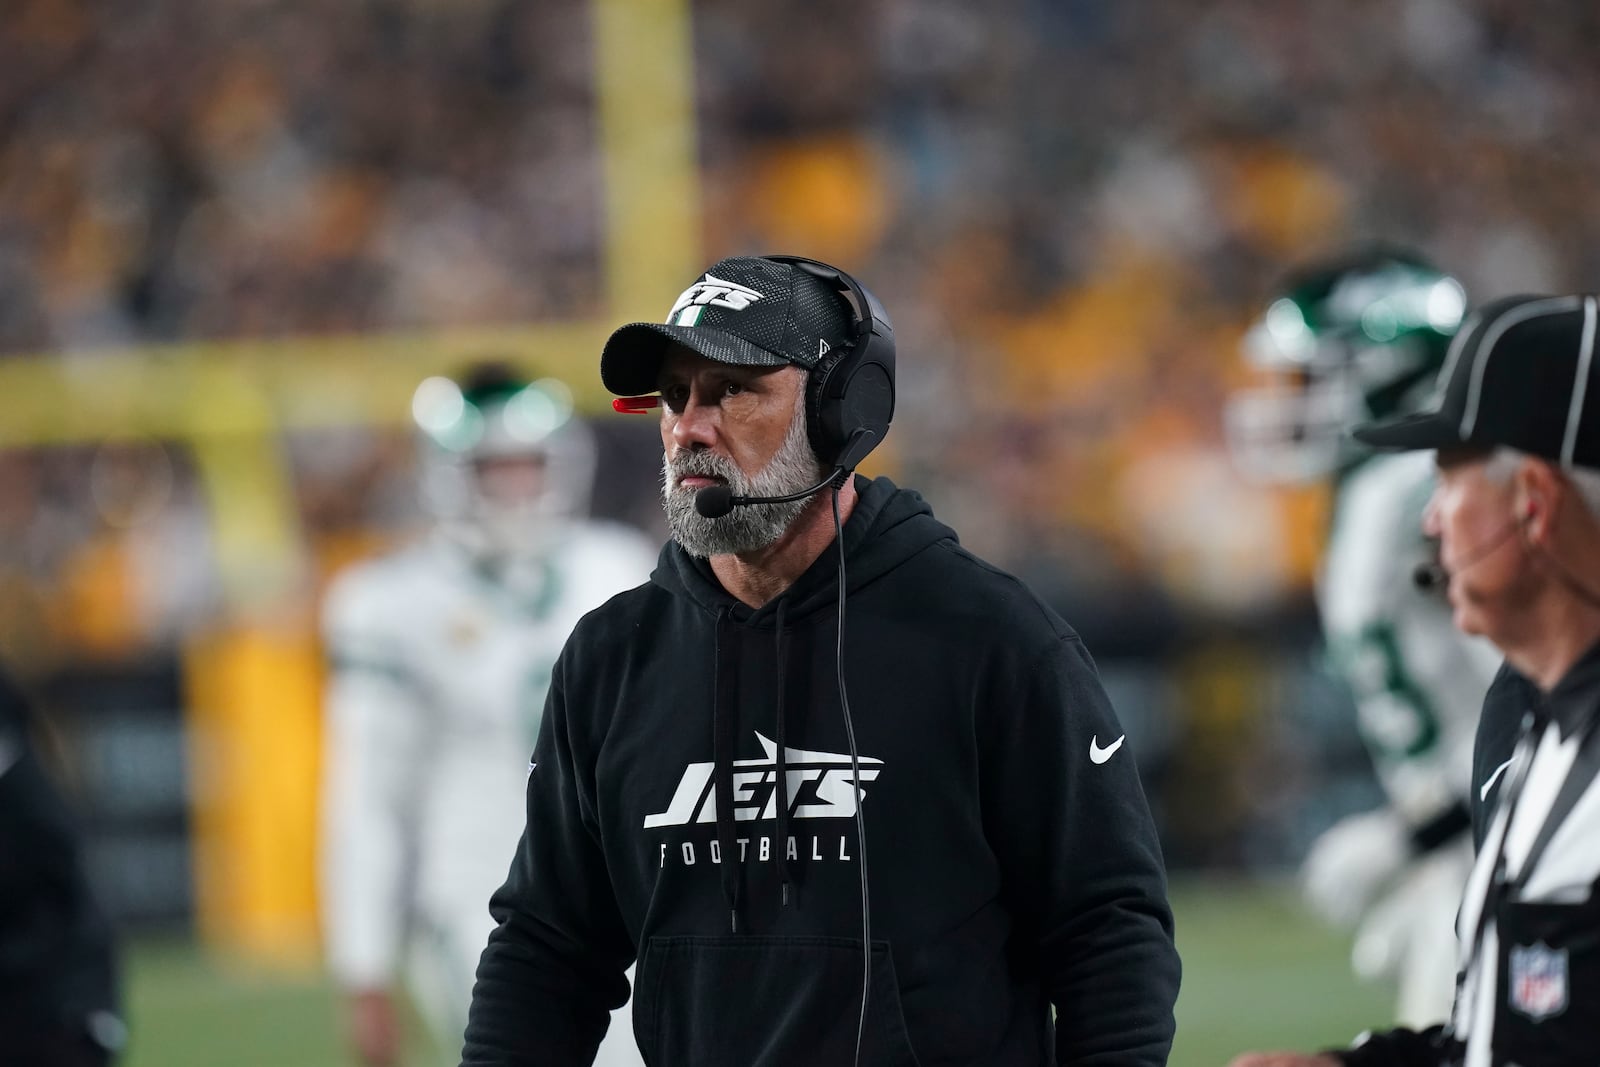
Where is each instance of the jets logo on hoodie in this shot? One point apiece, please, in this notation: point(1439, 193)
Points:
point(820, 786)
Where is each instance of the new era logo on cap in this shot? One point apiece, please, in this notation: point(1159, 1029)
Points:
point(747, 310)
point(1520, 374)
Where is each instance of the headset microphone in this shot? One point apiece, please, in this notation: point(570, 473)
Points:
point(715, 501)
point(1431, 574)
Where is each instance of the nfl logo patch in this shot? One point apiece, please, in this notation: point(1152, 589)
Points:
point(1538, 980)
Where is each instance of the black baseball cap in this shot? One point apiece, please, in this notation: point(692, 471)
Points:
point(1520, 373)
point(746, 310)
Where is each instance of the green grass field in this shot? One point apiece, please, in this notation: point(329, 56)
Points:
point(1257, 973)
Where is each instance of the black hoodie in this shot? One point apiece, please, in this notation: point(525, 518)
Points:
point(1011, 857)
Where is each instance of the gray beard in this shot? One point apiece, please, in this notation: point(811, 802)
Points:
point(744, 529)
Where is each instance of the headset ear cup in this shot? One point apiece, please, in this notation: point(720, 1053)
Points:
point(868, 405)
point(851, 393)
point(825, 445)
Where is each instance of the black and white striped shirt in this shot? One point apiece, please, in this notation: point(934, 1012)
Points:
point(1530, 916)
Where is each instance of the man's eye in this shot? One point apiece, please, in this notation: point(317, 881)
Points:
point(675, 397)
point(733, 389)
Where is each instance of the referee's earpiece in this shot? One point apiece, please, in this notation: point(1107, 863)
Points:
point(1528, 522)
point(850, 395)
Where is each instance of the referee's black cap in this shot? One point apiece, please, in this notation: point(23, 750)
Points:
point(1522, 374)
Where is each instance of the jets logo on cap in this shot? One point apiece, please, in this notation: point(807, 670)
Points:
point(710, 291)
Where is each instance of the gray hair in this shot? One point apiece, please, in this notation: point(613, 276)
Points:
point(1503, 463)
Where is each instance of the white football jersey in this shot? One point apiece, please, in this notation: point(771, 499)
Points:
point(1418, 683)
point(438, 673)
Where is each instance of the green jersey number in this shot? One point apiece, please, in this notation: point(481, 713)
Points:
point(1396, 718)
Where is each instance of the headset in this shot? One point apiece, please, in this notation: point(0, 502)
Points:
point(849, 391)
point(850, 394)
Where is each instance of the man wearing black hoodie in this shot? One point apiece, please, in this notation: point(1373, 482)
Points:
point(821, 725)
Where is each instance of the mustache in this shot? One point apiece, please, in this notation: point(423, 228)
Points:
point(702, 465)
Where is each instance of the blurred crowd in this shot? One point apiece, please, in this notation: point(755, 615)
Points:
point(1072, 209)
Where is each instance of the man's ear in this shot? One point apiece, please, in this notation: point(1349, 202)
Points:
point(1539, 491)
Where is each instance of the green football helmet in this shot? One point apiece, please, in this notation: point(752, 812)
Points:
point(505, 462)
point(1347, 341)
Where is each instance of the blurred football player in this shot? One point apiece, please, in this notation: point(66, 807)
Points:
point(440, 654)
point(1347, 341)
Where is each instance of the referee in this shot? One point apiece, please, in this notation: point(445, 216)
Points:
point(1516, 435)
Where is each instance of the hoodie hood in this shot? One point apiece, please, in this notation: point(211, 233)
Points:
point(888, 526)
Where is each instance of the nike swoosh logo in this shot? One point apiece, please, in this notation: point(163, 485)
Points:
point(1483, 794)
point(1100, 755)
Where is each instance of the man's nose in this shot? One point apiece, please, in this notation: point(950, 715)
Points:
point(696, 425)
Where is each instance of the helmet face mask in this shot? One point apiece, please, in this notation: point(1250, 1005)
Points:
point(1348, 342)
point(505, 467)
point(1290, 432)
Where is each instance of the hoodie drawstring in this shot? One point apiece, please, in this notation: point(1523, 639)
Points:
point(724, 729)
point(781, 784)
point(724, 723)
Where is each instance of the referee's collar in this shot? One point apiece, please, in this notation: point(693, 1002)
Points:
point(1576, 697)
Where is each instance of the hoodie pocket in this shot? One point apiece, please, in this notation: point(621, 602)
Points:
point(766, 1002)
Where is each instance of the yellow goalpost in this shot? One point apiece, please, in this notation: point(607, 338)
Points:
point(253, 718)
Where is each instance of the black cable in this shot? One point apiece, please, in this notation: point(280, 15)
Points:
point(855, 771)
